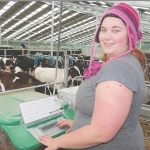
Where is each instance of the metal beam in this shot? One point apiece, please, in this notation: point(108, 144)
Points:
point(76, 30)
point(75, 20)
point(28, 27)
point(7, 18)
point(134, 3)
point(93, 10)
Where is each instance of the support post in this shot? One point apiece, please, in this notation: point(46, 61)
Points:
point(66, 70)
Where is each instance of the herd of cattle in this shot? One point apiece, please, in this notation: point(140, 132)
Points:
point(23, 71)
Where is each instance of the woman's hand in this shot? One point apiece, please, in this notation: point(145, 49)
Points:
point(65, 122)
point(49, 142)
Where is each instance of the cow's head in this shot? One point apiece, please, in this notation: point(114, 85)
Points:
point(74, 71)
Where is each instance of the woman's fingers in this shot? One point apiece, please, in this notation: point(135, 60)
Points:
point(45, 140)
point(61, 123)
point(49, 142)
point(68, 130)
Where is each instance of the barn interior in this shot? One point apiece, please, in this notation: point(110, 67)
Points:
point(53, 34)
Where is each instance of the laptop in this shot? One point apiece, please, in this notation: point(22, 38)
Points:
point(40, 116)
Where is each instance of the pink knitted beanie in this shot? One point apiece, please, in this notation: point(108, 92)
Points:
point(130, 16)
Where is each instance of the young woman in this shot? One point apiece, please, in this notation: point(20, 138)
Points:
point(107, 113)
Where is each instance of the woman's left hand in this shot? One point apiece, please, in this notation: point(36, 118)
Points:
point(49, 142)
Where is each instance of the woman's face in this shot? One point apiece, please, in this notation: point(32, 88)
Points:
point(113, 36)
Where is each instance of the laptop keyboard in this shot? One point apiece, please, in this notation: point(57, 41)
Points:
point(49, 129)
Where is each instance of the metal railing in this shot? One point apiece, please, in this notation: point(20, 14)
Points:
point(65, 82)
point(76, 79)
point(27, 88)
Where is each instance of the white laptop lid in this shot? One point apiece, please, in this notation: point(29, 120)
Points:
point(39, 109)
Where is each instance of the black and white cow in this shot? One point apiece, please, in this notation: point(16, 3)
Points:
point(2, 65)
point(48, 75)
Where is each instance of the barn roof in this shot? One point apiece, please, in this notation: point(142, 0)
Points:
point(32, 20)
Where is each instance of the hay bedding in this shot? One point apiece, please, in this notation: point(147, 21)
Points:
point(146, 129)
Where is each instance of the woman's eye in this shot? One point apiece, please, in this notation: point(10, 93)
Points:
point(115, 31)
point(103, 30)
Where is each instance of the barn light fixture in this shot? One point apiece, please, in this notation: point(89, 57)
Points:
point(103, 3)
point(5, 8)
point(104, 6)
point(146, 12)
point(141, 7)
point(92, 4)
point(81, 3)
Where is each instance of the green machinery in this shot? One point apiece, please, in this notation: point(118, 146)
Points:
point(11, 119)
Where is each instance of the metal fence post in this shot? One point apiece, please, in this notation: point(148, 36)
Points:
point(66, 67)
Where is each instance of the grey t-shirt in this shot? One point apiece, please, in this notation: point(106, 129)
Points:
point(126, 70)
